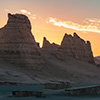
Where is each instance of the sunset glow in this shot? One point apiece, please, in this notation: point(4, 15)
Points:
point(53, 18)
point(74, 26)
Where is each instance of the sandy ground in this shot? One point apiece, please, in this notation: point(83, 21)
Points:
point(13, 74)
point(53, 70)
point(71, 70)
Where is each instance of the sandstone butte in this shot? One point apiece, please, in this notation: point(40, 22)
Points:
point(18, 46)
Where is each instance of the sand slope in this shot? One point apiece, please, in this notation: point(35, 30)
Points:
point(13, 74)
point(53, 70)
point(71, 70)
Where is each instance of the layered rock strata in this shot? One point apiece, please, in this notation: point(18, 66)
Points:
point(17, 44)
point(72, 46)
point(76, 47)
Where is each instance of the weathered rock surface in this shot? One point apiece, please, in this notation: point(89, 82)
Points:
point(97, 59)
point(48, 49)
point(76, 47)
point(72, 46)
point(17, 44)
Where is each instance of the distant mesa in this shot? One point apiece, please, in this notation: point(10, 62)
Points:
point(17, 44)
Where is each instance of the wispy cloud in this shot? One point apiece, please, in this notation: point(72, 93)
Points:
point(32, 16)
point(25, 11)
point(91, 27)
point(94, 20)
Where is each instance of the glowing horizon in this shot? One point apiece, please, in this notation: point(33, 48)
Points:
point(53, 18)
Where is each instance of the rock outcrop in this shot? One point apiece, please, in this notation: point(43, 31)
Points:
point(48, 49)
point(76, 47)
point(97, 60)
point(72, 46)
point(17, 44)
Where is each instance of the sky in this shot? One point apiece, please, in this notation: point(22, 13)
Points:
point(53, 18)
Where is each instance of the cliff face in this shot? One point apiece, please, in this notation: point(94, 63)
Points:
point(77, 48)
point(48, 49)
point(72, 46)
point(17, 43)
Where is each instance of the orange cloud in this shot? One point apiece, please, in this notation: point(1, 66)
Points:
point(71, 25)
point(94, 20)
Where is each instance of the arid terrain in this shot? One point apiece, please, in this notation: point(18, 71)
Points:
point(23, 61)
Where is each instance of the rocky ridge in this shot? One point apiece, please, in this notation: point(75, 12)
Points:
point(76, 47)
point(72, 46)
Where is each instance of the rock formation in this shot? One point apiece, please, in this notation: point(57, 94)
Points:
point(17, 44)
point(48, 49)
point(97, 60)
point(77, 48)
point(72, 46)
